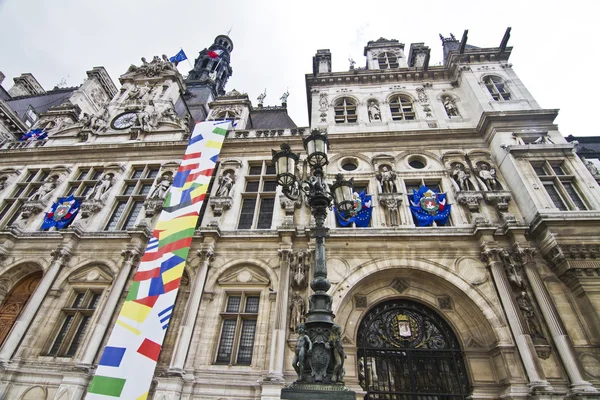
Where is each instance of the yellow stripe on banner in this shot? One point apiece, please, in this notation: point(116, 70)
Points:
point(199, 191)
point(187, 185)
point(135, 311)
point(173, 273)
point(143, 397)
point(167, 228)
point(129, 328)
point(213, 144)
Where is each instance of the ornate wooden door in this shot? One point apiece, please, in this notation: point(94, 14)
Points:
point(15, 301)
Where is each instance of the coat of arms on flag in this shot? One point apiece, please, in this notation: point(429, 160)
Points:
point(34, 134)
point(61, 213)
point(360, 214)
point(428, 205)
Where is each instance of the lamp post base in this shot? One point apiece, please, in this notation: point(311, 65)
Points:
point(317, 391)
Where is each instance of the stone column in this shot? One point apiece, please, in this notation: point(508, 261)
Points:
point(60, 257)
point(523, 340)
point(561, 339)
point(277, 353)
point(184, 336)
point(130, 257)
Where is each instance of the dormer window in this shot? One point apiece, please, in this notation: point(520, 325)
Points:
point(345, 111)
point(387, 60)
point(226, 115)
point(497, 88)
point(402, 108)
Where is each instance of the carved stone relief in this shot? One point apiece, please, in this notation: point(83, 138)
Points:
point(299, 269)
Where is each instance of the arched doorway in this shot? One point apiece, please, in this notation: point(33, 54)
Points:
point(15, 301)
point(406, 351)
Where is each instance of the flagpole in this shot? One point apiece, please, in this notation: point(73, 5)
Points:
point(188, 60)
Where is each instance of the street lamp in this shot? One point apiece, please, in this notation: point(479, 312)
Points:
point(325, 365)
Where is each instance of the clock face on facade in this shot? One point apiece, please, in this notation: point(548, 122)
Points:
point(124, 121)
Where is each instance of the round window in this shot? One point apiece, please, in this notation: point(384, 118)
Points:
point(417, 163)
point(349, 166)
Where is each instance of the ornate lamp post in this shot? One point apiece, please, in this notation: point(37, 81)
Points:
point(319, 354)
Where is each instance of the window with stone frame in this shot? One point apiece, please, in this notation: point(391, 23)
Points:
point(387, 60)
point(30, 117)
point(258, 198)
point(226, 115)
point(559, 185)
point(27, 186)
point(74, 321)
point(358, 188)
point(416, 185)
point(345, 111)
point(402, 108)
point(84, 181)
point(130, 201)
point(497, 88)
point(238, 328)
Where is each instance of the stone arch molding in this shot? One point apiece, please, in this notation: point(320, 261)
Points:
point(341, 96)
point(88, 272)
point(251, 271)
point(341, 156)
point(489, 314)
point(405, 154)
point(20, 270)
point(35, 393)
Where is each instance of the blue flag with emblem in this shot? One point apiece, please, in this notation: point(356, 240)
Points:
point(180, 56)
point(428, 205)
point(360, 214)
point(34, 134)
point(62, 213)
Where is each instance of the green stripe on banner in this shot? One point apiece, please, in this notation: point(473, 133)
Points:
point(220, 131)
point(182, 253)
point(168, 200)
point(184, 234)
point(133, 291)
point(106, 385)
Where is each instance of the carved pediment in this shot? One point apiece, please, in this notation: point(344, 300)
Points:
point(247, 275)
point(95, 274)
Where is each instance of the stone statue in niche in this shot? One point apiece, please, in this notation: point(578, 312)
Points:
point(303, 349)
point(461, 177)
point(43, 191)
point(161, 189)
point(101, 187)
point(323, 102)
point(225, 185)
point(339, 355)
point(298, 308)
point(535, 328)
point(86, 120)
point(450, 106)
point(374, 111)
point(488, 176)
point(590, 166)
point(387, 180)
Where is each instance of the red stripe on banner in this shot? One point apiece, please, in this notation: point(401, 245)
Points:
point(206, 172)
point(188, 167)
point(149, 349)
point(179, 244)
point(199, 198)
point(145, 275)
point(152, 256)
point(192, 155)
point(147, 301)
point(174, 284)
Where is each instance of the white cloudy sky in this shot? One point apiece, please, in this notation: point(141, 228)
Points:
point(274, 41)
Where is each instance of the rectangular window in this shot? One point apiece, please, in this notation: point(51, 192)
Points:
point(238, 330)
point(130, 202)
point(11, 206)
point(259, 201)
point(76, 320)
point(560, 187)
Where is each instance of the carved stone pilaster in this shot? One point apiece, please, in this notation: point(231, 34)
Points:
point(289, 206)
point(500, 200)
point(130, 255)
point(206, 255)
point(60, 255)
point(472, 200)
point(391, 202)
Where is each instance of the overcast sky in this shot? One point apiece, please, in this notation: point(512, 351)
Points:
point(274, 41)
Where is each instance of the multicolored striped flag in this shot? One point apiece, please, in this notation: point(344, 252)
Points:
point(127, 364)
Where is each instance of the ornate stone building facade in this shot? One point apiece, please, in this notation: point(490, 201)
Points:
point(501, 301)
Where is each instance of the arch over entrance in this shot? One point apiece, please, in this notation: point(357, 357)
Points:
point(15, 301)
point(406, 351)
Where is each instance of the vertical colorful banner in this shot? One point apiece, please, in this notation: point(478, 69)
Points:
point(127, 364)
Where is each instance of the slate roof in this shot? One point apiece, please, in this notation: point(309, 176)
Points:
point(270, 118)
point(40, 103)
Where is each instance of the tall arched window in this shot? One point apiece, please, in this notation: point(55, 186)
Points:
point(407, 351)
point(345, 111)
point(497, 88)
point(15, 302)
point(387, 60)
point(401, 108)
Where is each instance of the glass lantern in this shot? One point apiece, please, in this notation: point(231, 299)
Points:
point(285, 165)
point(316, 147)
point(343, 193)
